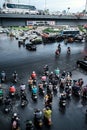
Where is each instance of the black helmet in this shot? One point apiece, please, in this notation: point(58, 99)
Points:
point(47, 108)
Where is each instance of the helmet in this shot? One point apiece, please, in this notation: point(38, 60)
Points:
point(15, 114)
point(37, 110)
point(30, 122)
point(51, 72)
point(33, 71)
point(50, 83)
point(46, 65)
point(47, 108)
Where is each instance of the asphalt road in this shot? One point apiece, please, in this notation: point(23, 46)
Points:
point(24, 62)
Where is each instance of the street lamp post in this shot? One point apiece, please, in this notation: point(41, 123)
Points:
point(45, 4)
point(68, 10)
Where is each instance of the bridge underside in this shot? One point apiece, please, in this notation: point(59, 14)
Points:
point(21, 19)
point(23, 22)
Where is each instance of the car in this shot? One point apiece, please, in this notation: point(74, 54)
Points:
point(82, 64)
point(31, 46)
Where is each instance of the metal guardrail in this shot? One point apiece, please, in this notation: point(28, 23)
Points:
point(54, 17)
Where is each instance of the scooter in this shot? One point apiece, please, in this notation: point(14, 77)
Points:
point(1, 98)
point(29, 125)
point(57, 52)
point(3, 79)
point(34, 96)
point(15, 123)
point(7, 108)
point(23, 103)
point(48, 121)
point(41, 91)
point(62, 101)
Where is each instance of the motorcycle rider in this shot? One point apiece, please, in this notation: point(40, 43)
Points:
point(7, 100)
point(62, 97)
point(3, 76)
point(43, 78)
point(12, 89)
point(68, 50)
point(46, 68)
point(80, 81)
point(15, 121)
point(22, 87)
point(47, 114)
point(48, 100)
point(15, 75)
point(41, 88)
point(30, 82)
point(1, 92)
point(38, 114)
point(51, 76)
point(29, 125)
point(23, 96)
point(34, 90)
point(50, 88)
point(33, 75)
point(57, 52)
point(59, 48)
point(57, 72)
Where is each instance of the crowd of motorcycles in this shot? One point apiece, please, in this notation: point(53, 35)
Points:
point(50, 83)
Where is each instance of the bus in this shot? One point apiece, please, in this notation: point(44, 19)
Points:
point(70, 32)
point(19, 8)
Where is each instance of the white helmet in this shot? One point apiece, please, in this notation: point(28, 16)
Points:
point(15, 114)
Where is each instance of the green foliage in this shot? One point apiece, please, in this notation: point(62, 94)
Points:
point(81, 28)
point(50, 30)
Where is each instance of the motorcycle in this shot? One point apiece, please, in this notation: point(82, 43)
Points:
point(55, 88)
point(1, 98)
point(1, 95)
point(68, 51)
point(48, 121)
point(84, 92)
point(62, 101)
point(76, 90)
point(46, 70)
point(34, 96)
point(68, 90)
point(15, 122)
point(29, 125)
point(7, 108)
point(24, 103)
point(38, 122)
point(3, 79)
point(41, 91)
point(12, 94)
point(15, 77)
point(48, 104)
point(12, 91)
point(38, 118)
point(57, 52)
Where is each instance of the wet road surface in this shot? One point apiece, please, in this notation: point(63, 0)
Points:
point(24, 62)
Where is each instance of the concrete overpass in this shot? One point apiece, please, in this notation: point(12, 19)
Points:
point(21, 19)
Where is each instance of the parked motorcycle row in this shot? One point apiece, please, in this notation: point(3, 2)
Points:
point(46, 86)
